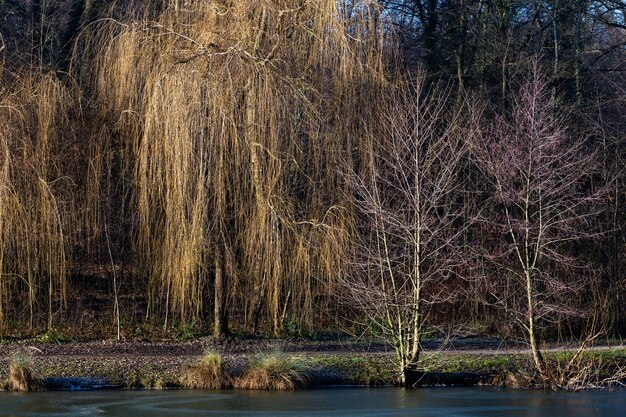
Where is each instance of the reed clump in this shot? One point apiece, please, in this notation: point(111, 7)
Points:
point(208, 374)
point(22, 376)
point(273, 371)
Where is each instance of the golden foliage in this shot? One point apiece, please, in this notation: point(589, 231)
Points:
point(234, 119)
point(206, 134)
point(38, 201)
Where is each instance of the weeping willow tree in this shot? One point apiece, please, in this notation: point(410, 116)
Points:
point(39, 203)
point(232, 119)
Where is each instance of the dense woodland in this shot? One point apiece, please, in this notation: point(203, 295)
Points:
point(287, 167)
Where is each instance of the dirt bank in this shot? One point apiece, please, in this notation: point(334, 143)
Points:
point(161, 364)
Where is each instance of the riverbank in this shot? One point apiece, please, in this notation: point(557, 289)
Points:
point(346, 362)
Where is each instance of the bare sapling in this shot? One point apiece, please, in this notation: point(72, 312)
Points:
point(544, 203)
point(407, 197)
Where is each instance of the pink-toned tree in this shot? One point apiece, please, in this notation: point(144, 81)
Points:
point(544, 201)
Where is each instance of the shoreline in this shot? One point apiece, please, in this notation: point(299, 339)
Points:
point(161, 365)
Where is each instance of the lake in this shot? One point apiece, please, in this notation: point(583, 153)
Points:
point(316, 402)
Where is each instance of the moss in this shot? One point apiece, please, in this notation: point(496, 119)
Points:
point(53, 336)
point(489, 363)
point(358, 369)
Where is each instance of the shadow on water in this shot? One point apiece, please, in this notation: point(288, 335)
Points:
point(316, 402)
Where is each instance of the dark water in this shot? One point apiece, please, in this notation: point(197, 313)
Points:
point(317, 402)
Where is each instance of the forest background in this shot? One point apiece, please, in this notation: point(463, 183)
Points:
point(298, 168)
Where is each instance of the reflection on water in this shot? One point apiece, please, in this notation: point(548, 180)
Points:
point(317, 402)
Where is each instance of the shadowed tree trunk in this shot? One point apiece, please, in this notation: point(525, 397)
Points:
point(36, 13)
point(71, 30)
point(220, 324)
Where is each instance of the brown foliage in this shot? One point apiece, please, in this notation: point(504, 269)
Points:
point(272, 371)
point(22, 377)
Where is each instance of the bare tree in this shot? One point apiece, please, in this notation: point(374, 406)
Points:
point(542, 191)
point(408, 199)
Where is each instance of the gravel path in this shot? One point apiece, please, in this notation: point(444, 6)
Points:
point(250, 346)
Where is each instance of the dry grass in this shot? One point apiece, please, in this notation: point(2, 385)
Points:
point(273, 371)
point(516, 379)
point(22, 377)
point(208, 374)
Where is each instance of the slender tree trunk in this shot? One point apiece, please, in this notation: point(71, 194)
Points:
point(460, 53)
point(218, 314)
point(417, 272)
point(532, 337)
point(579, 50)
point(257, 303)
point(220, 324)
point(71, 30)
point(257, 272)
point(431, 38)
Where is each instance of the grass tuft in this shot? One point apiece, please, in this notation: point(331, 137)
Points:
point(208, 374)
point(273, 371)
point(22, 377)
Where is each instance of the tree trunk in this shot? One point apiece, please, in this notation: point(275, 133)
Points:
point(71, 30)
point(460, 53)
point(257, 270)
point(403, 377)
point(532, 337)
point(431, 39)
point(36, 25)
point(220, 322)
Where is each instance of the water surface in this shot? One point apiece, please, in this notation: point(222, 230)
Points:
point(316, 402)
